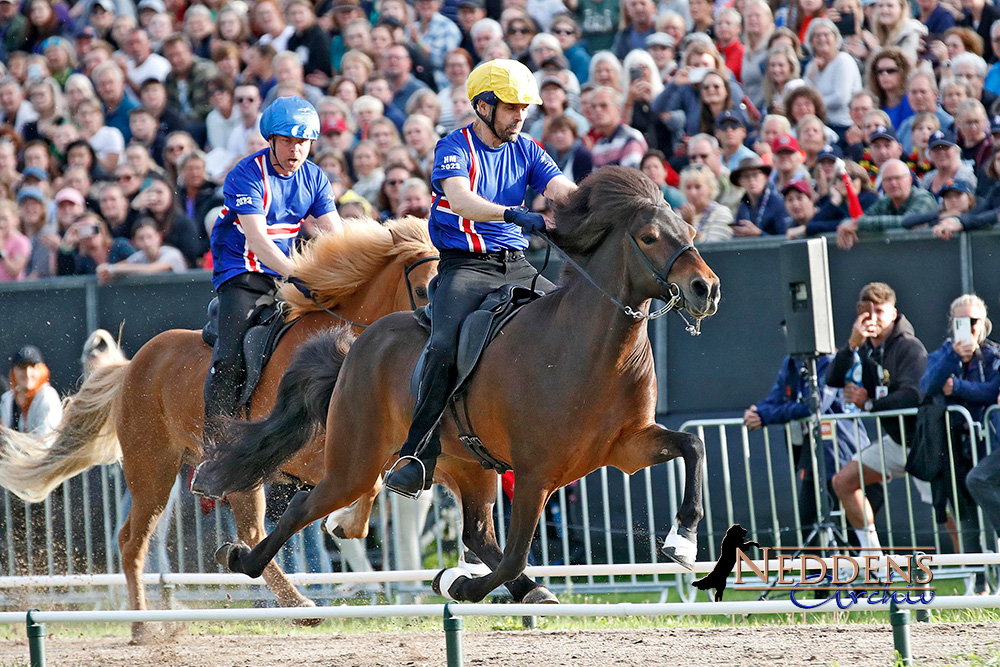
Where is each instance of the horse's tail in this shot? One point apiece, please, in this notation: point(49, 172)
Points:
point(247, 453)
point(31, 466)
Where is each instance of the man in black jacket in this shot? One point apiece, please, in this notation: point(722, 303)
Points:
point(880, 369)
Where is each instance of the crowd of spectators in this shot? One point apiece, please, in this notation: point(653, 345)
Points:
point(120, 118)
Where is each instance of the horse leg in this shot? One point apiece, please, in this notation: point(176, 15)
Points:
point(304, 508)
point(150, 493)
point(529, 499)
point(655, 444)
point(478, 497)
point(248, 510)
point(351, 522)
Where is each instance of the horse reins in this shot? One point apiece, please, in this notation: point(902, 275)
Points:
point(409, 293)
point(676, 298)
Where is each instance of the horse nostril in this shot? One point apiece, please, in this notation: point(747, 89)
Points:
point(700, 288)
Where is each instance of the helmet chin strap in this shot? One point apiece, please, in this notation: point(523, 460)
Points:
point(272, 154)
point(491, 120)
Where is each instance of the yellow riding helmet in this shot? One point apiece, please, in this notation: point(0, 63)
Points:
point(508, 80)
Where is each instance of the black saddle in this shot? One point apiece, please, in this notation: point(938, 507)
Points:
point(478, 329)
point(259, 342)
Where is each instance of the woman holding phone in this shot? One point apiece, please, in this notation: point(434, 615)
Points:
point(964, 370)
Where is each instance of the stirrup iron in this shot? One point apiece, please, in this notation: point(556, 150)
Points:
point(423, 476)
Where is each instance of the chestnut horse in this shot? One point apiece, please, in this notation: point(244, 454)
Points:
point(567, 388)
point(148, 413)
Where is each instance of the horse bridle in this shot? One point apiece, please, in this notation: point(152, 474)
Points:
point(409, 293)
point(406, 277)
point(675, 300)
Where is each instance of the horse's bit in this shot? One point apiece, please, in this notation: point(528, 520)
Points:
point(674, 301)
point(409, 293)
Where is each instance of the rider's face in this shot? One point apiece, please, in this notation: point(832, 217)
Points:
point(290, 153)
point(509, 120)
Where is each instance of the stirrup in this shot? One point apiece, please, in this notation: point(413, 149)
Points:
point(423, 476)
point(196, 487)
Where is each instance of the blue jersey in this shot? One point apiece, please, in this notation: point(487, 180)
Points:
point(500, 175)
point(253, 186)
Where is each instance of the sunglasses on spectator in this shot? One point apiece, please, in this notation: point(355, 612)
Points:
point(518, 31)
point(888, 70)
point(563, 31)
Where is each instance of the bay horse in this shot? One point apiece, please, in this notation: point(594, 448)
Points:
point(566, 388)
point(149, 412)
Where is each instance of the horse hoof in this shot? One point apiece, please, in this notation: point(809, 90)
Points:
point(228, 555)
point(540, 595)
point(679, 549)
point(333, 524)
point(200, 485)
point(306, 622)
point(448, 579)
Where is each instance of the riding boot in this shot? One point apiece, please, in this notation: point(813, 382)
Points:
point(416, 472)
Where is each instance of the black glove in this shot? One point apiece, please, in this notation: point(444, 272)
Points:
point(300, 286)
point(525, 219)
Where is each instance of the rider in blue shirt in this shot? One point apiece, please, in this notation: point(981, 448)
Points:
point(268, 195)
point(480, 176)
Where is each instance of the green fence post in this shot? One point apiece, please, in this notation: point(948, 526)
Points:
point(452, 637)
point(36, 641)
point(900, 620)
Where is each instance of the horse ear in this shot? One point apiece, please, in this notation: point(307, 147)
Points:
point(395, 237)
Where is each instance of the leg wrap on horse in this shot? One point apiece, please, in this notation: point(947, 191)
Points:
point(680, 549)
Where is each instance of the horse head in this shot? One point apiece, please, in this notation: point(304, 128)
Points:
point(665, 263)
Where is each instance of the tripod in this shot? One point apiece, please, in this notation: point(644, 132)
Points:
point(824, 532)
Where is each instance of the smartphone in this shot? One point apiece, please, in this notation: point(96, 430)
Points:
point(697, 74)
point(846, 24)
point(635, 74)
point(86, 231)
point(961, 329)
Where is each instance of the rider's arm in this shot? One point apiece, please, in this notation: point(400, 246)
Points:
point(467, 204)
point(560, 189)
point(255, 228)
point(329, 222)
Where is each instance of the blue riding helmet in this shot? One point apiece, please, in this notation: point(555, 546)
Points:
point(290, 117)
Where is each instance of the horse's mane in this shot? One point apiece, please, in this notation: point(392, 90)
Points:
point(609, 198)
point(336, 265)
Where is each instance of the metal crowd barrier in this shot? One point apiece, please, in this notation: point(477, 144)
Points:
point(606, 518)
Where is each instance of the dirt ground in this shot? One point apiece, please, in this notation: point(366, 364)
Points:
point(854, 645)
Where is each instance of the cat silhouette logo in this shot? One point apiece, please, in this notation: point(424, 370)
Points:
point(727, 561)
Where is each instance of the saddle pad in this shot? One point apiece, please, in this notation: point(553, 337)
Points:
point(479, 328)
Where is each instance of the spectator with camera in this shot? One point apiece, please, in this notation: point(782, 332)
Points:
point(879, 369)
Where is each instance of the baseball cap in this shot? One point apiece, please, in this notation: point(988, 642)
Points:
point(785, 142)
point(941, 138)
point(86, 32)
point(106, 5)
point(883, 132)
point(803, 186)
point(552, 81)
point(27, 355)
point(661, 39)
point(70, 194)
point(956, 186)
point(471, 4)
point(35, 172)
point(830, 152)
point(30, 192)
point(156, 5)
point(390, 21)
point(333, 126)
point(730, 117)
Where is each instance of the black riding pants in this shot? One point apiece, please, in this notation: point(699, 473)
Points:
point(237, 311)
point(463, 281)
